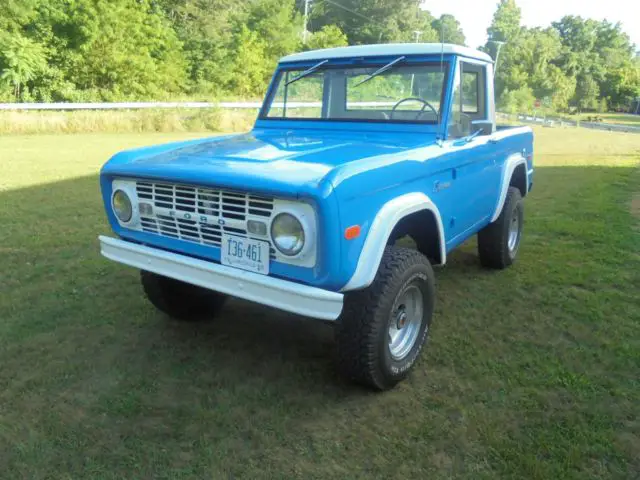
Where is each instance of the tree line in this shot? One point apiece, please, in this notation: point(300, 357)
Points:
point(575, 64)
point(108, 50)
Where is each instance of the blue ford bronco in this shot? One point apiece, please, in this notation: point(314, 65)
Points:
point(354, 149)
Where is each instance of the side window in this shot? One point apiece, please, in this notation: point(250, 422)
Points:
point(459, 125)
point(470, 88)
point(469, 102)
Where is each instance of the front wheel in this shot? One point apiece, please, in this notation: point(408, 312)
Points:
point(180, 300)
point(383, 328)
point(498, 242)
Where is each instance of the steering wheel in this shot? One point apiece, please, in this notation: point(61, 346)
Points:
point(424, 105)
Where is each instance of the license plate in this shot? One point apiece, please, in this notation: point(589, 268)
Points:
point(245, 253)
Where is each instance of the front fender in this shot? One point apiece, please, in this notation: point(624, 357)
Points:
point(378, 235)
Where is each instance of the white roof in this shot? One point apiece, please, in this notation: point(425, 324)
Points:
point(388, 49)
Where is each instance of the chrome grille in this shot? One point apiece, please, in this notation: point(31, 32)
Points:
point(230, 211)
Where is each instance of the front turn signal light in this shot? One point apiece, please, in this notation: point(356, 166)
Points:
point(352, 232)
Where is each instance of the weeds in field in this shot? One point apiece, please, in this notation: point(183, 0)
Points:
point(126, 121)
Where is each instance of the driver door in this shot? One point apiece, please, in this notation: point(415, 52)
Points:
point(474, 158)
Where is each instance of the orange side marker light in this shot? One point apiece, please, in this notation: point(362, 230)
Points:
point(352, 232)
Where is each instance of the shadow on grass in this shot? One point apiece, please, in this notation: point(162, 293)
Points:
point(58, 282)
point(50, 238)
point(57, 279)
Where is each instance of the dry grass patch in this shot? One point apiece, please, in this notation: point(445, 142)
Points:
point(126, 121)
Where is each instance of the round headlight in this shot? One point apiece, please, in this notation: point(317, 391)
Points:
point(122, 206)
point(287, 234)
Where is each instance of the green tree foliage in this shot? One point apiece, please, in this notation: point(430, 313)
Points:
point(207, 30)
point(576, 64)
point(124, 49)
point(587, 93)
point(94, 49)
point(375, 21)
point(515, 101)
point(15, 13)
point(505, 29)
point(327, 37)
point(278, 24)
point(506, 21)
point(21, 60)
point(87, 50)
point(214, 32)
point(248, 74)
point(448, 29)
point(527, 63)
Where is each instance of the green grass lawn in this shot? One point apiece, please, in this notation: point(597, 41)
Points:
point(533, 372)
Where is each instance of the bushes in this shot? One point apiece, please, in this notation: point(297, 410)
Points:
point(517, 101)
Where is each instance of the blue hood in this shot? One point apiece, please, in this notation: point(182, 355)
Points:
point(294, 163)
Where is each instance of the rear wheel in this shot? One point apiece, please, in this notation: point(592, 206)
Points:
point(181, 300)
point(498, 242)
point(384, 327)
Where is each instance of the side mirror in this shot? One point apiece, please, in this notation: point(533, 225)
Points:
point(485, 126)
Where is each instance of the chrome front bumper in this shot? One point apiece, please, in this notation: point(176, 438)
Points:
point(292, 297)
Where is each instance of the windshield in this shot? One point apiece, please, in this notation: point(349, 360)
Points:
point(388, 92)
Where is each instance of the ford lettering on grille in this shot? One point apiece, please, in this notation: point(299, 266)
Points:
point(199, 214)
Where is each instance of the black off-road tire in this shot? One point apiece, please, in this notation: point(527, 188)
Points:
point(180, 300)
point(362, 333)
point(493, 240)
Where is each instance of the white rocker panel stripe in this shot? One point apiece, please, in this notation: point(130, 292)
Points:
point(384, 223)
point(274, 292)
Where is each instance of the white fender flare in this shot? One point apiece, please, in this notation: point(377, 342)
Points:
point(510, 165)
point(384, 223)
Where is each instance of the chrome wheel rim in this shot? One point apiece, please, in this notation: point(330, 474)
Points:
point(514, 231)
point(405, 322)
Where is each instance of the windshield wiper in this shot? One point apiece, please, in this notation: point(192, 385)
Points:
point(380, 70)
point(308, 71)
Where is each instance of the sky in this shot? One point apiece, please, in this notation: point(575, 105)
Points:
point(476, 15)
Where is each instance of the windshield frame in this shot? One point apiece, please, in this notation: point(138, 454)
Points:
point(367, 62)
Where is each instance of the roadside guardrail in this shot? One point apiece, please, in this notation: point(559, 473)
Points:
point(529, 119)
point(563, 122)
